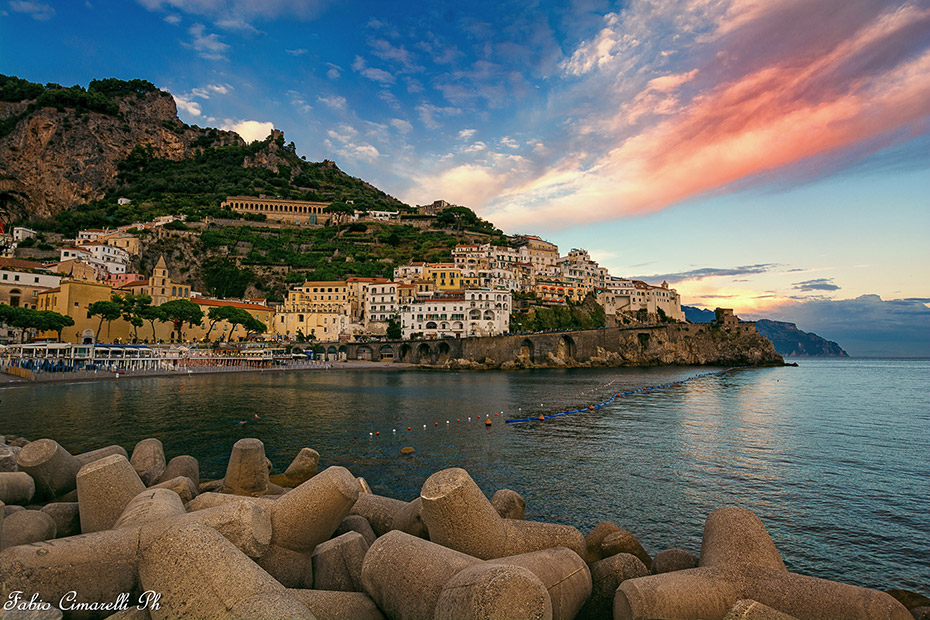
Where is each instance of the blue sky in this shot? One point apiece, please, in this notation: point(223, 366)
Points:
point(760, 155)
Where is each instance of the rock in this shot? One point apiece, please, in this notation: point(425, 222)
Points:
point(310, 514)
point(606, 577)
point(200, 574)
point(356, 523)
point(105, 487)
point(363, 485)
point(909, 599)
point(148, 459)
point(27, 526)
point(210, 486)
point(184, 465)
point(593, 540)
point(212, 500)
point(921, 613)
point(95, 455)
point(404, 575)
point(337, 563)
point(490, 590)
point(8, 510)
point(672, 560)
point(66, 517)
point(622, 541)
point(409, 519)
point(18, 442)
point(509, 504)
point(247, 472)
point(338, 605)
point(407, 450)
point(746, 609)
point(52, 468)
point(379, 511)
point(16, 487)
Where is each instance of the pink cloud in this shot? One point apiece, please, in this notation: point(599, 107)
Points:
point(754, 110)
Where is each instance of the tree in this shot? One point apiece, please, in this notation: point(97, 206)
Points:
point(394, 331)
point(131, 306)
point(107, 311)
point(340, 212)
point(221, 313)
point(152, 314)
point(181, 311)
point(54, 321)
point(253, 326)
point(224, 279)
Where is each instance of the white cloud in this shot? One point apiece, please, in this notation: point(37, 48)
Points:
point(429, 113)
point(297, 52)
point(208, 46)
point(186, 105)
point(467, 134)
point(334, 71)
point(377, 75)
point(510, 142)
point(172, 19)
point(333, 101)
point(36, 10)
point(240, 13)
point(249, 130)
point(401, 125)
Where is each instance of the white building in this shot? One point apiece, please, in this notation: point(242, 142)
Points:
point(380, 301)
point(105, 257)
point(473, 312)
point(21, 233)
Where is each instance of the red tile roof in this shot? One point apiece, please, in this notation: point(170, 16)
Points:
point(202, 301)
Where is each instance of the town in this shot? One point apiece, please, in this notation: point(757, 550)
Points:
point(476, 294)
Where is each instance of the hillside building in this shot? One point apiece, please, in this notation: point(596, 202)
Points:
point(298, 212)
point(457, 314)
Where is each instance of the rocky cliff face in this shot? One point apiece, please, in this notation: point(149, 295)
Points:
point(57, 158)
point(791, 341)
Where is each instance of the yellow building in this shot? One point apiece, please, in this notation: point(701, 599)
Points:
point(222, 330)
point(319, 296)
point(448, 277)
point(73, 298)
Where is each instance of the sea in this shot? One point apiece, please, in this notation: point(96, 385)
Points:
point(833, 455)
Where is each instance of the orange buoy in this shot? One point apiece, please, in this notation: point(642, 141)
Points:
point(487, 422)
point(436, 423)
point(377, 432)
point(408, 428)
point(590, 407)
point(541, 417)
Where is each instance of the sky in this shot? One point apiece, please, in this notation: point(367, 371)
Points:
point(767, 155)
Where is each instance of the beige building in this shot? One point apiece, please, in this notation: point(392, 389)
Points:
point(299, 212)
point(474, 312)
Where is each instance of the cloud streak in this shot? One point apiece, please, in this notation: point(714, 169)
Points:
point(820, 284)
point(854, 80)
point(709, 272)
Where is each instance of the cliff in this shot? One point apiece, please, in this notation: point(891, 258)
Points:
point(792, 342)
point(60, 151)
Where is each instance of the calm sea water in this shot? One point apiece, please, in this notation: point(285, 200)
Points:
point(833, 456)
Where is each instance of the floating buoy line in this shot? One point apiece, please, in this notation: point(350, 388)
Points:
point(486, 419)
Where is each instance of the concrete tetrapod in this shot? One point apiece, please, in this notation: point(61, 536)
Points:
point(740, 561)
point(410, 519)
point(337, 563)
point(184, 465)
point(247, 471)
point(148, 459)
point(509, 504)
point(27, 526)
point(102, 565)
point(491, 591)
point(459, 516)
point(105, 487)
point(405, 575)
point(16, 488)
point(355, 523)
point(593, 540)
point(328, 605)
point(746, 609)
point(310, 513)
point(51, 466)
point(379, 510)
point(671, 560)
point(200, 574)
point(293, 569)
point(301, 469)
point(606, 577)
point(95, 455)
point(66, 518)
point(148, 506)
point(563, 573)
point(621, 541)
point(182, 486)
